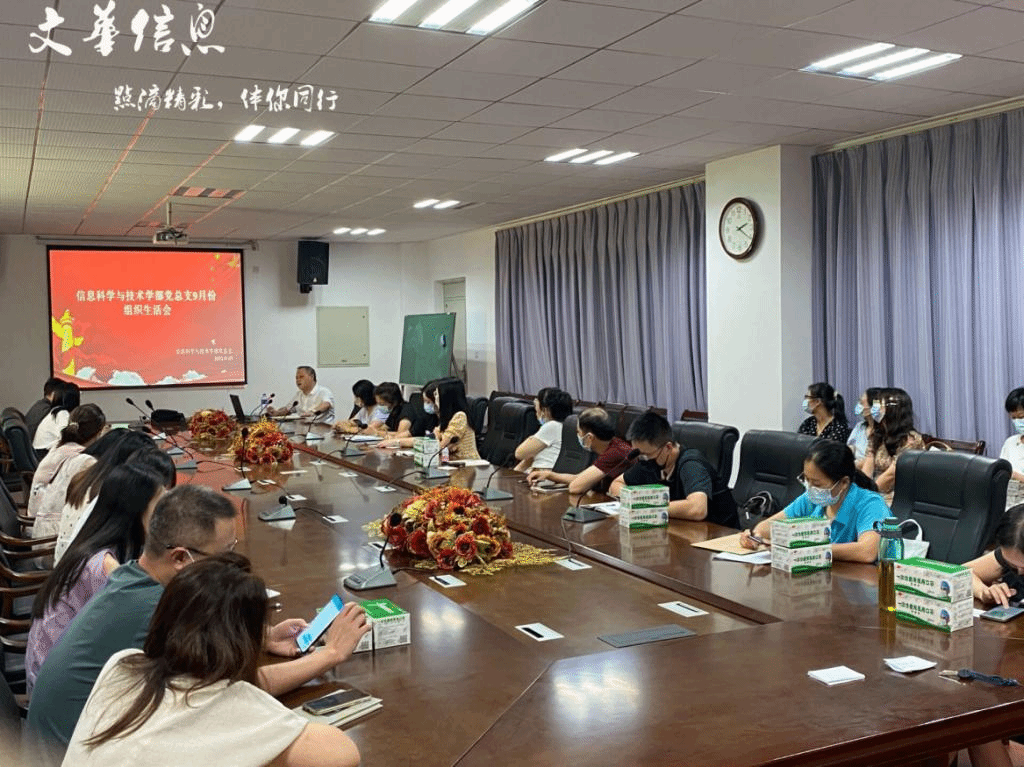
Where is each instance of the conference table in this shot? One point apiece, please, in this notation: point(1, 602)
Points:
point(472, 689)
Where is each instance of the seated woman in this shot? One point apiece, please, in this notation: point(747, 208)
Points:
point(827, 410)
point(48, 434)
point(453, 430)
point(1013, 447)
point(113, 535)
point(861, 433)
point(424, 420)
point(190, 696)
point(87, 424)
point(541, 450)
point(596, 433)
point(893, 433)
point(839, 492)
point(393, 414)
point(364, 408)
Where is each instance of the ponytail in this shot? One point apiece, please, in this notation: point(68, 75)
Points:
point(835, 461)
point(85, 424)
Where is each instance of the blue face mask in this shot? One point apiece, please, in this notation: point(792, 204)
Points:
point(876, 412)
point(858, 410)
point(806, 405)
point(582, 440)
point(542, 420)
point(1018, 424)
point(384, 409)
point(428, 408)
point(822, 496)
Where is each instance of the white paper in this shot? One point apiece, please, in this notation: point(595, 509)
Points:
point(608, 507)
point(271, 593)
point(318, 462)
point(295, 497)
point(294, 471)
point(347, 474)
point(384, 488)
point(977, 612)
point(572, 564)
point(681, 608)
point(473, 462)
point(448, 581)
point(365, 438)
point(836, 675)
point(334, 519)
point(753, 558)
point(265, 482)
point(539, 631)
point(908, 664)
point(405, 453)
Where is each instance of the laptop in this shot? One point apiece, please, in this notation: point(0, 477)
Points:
point(240, 415)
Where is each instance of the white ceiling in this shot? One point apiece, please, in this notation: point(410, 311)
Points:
point(436, 114)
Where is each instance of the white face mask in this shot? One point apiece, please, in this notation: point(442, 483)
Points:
point(1018, 424)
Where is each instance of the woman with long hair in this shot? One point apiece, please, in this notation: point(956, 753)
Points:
point(892, 434)
point(827, 413)
point(87, 424)
point(861, 433)
point(453, 430)
point(190, 696)
point(114, 534)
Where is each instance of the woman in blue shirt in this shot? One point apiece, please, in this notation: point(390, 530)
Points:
point(838, 491)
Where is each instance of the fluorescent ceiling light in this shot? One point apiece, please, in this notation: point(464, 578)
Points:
point(341, 230)
point(916, 66)
point(616, 158)
point(857, 53)
point(359, 230)
point(564, 155)
point(501, 15)
point(426, 203)
point(282, 135)
point(884, 61)
point(375, 232)
point(447, 12)
point(248, 133)
point(391, 10)
point(592, 155)
point(317, 137)
point(446, 204)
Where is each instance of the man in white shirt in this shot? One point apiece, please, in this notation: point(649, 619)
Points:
point(311, 399)
point(1013, 448)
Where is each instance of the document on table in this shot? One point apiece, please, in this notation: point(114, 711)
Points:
point(365, 438)
point(611, 508)
point(836, 675)
point(908, 664)
point(750, 558)
point(729, 543)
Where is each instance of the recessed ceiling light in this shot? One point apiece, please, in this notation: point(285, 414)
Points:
point(616, 158)
point(883, 62)
point(248, 133)
point(341, 230)
point(857, 53)
point(391, 10)
point(916, 66)
point(317, 137)
point(282, 135)
point(359, 230)
point(426, 203)
point(446, 204)
point(375, 232)
point(500, 16)
point(447, 12)
point(592, 156)
point(564, 155)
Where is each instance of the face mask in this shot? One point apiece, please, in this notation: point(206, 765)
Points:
point(858, 410)
point(384, 409)
point(542, 420)
point(876, 412)
point(1018, 424)
point(807, 405)
point(583, 441)
point(428, 408)
point(821, 496)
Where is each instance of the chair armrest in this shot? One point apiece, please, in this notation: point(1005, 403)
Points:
point(15, 626)
point(8, 541)
point(15, 577)
point(13, 645)
point(44, 551)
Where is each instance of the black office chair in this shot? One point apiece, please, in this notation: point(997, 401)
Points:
point(572, 458)
point(477, 413)
point(516, 421)
point(772, 461)
point(627, 415)
point(492, 435)
point(957, 498)
point(715, 441)
point(16, 434)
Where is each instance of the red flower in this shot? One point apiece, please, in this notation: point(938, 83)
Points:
point(397, 536)
point(506, 550)
point(481, 526)
point(416, 543)
point(446, 559)
point(465, 546)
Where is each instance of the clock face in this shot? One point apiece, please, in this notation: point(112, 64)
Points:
point(738, 228)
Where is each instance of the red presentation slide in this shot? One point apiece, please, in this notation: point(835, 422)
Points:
point(132, 318)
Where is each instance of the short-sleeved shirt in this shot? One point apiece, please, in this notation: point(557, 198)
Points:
point(316, 397)
point(550, 433)
point(613, 461)
point(51, 507)
point(884, 459)
point(238, 721)
point(834, 429)
point(35, 415)
point(857, 514)
point(465, 448)
point(47, 470)
point(858, 441)
point(405, 412)
point(423, 424)
point(48, 433)
point(691, 475)
point(1010, 576)
point(1013, 451)
point(115, 619)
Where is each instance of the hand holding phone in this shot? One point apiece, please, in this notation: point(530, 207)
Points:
point(1002, 614)
point(319, 624)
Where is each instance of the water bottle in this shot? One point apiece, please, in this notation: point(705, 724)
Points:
point(890, 549)
point(445, 455)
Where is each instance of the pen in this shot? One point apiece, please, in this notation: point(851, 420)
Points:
point(757, 539)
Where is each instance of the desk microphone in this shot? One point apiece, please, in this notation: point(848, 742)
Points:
point(577, 514)
point(145, 415)
point(496, 495)
point(243, 483)
point(375, 577)
point(174, 449)
point(283, 512)
point(429, 473)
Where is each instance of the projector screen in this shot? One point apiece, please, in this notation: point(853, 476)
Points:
point(122, 318)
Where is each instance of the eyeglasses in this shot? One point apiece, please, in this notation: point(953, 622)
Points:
point(200, 552)
point(803, 481)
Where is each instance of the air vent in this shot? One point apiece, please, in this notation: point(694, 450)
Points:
point(206, 191)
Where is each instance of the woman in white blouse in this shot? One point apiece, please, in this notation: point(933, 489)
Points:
point(541, 450)
point(48, 434)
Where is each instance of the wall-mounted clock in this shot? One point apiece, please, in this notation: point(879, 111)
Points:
point(739, 228)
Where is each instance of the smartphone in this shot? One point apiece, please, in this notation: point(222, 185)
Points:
point(1002, 614)
point(319, 624)
point(334, 702)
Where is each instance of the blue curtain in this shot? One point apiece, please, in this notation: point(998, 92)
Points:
point(918, 272)
point(608, 303)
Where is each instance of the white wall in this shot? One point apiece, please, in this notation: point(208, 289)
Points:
point(392, 280)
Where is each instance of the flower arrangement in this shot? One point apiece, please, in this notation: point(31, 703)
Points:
point(451, 528)
point(265, 444)
point(211, 424)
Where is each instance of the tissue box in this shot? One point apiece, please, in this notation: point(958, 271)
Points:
point(928, 578)
point(925, 611)
point(643, 506)
point(391, 624)
point(801, 531)
point(801, 560)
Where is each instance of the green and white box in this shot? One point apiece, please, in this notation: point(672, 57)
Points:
point(365, 642)
point(804, 559)
point(929, 578)
point(801, 531)
point(643, 506)
point(391, 624)
point(925, 611)
point(424, 450)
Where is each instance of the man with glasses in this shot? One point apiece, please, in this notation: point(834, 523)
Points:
point(696, 492)
point(188, 524)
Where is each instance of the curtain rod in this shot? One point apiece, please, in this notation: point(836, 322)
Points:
point(116, 241)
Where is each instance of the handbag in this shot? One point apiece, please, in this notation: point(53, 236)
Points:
point(916, 546)
point(757, 508)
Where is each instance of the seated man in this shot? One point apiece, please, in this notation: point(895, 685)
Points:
point(311, 399)
point(1013, 448)
point(41, 408)
point(188, 523)
point(596, 432)
point(696, 492)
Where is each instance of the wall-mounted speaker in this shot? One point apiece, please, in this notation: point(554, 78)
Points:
point(313, 261)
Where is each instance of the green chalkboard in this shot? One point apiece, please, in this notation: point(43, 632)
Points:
point(427, 343)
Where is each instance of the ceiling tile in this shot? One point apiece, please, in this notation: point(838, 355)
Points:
point(655, 100)
point(569, 23)
point(465, 131)
point(622, 67)
point(246, 27)
point(974, 75)
point(697, 38)
point(802, 86)
point(718, 77)
point(788, 48)
point(869, 18)
point(980, 30)
point(778, 13)
point(368, 75)
point(21, 73)
point(470, 85)
point(430, 107)
point(678, 128)
point(604, 120)
point(558, 138)
point(519, 114)
point(516, 57)
point(403, 45)
point(569, 93)
point(253, 63)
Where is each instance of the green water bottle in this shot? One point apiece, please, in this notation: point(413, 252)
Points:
point(890, 549)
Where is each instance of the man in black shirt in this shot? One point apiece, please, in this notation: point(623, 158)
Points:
point(696, 492)
point(41, 408)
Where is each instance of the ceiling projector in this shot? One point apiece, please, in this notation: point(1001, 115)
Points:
point(170, 236)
